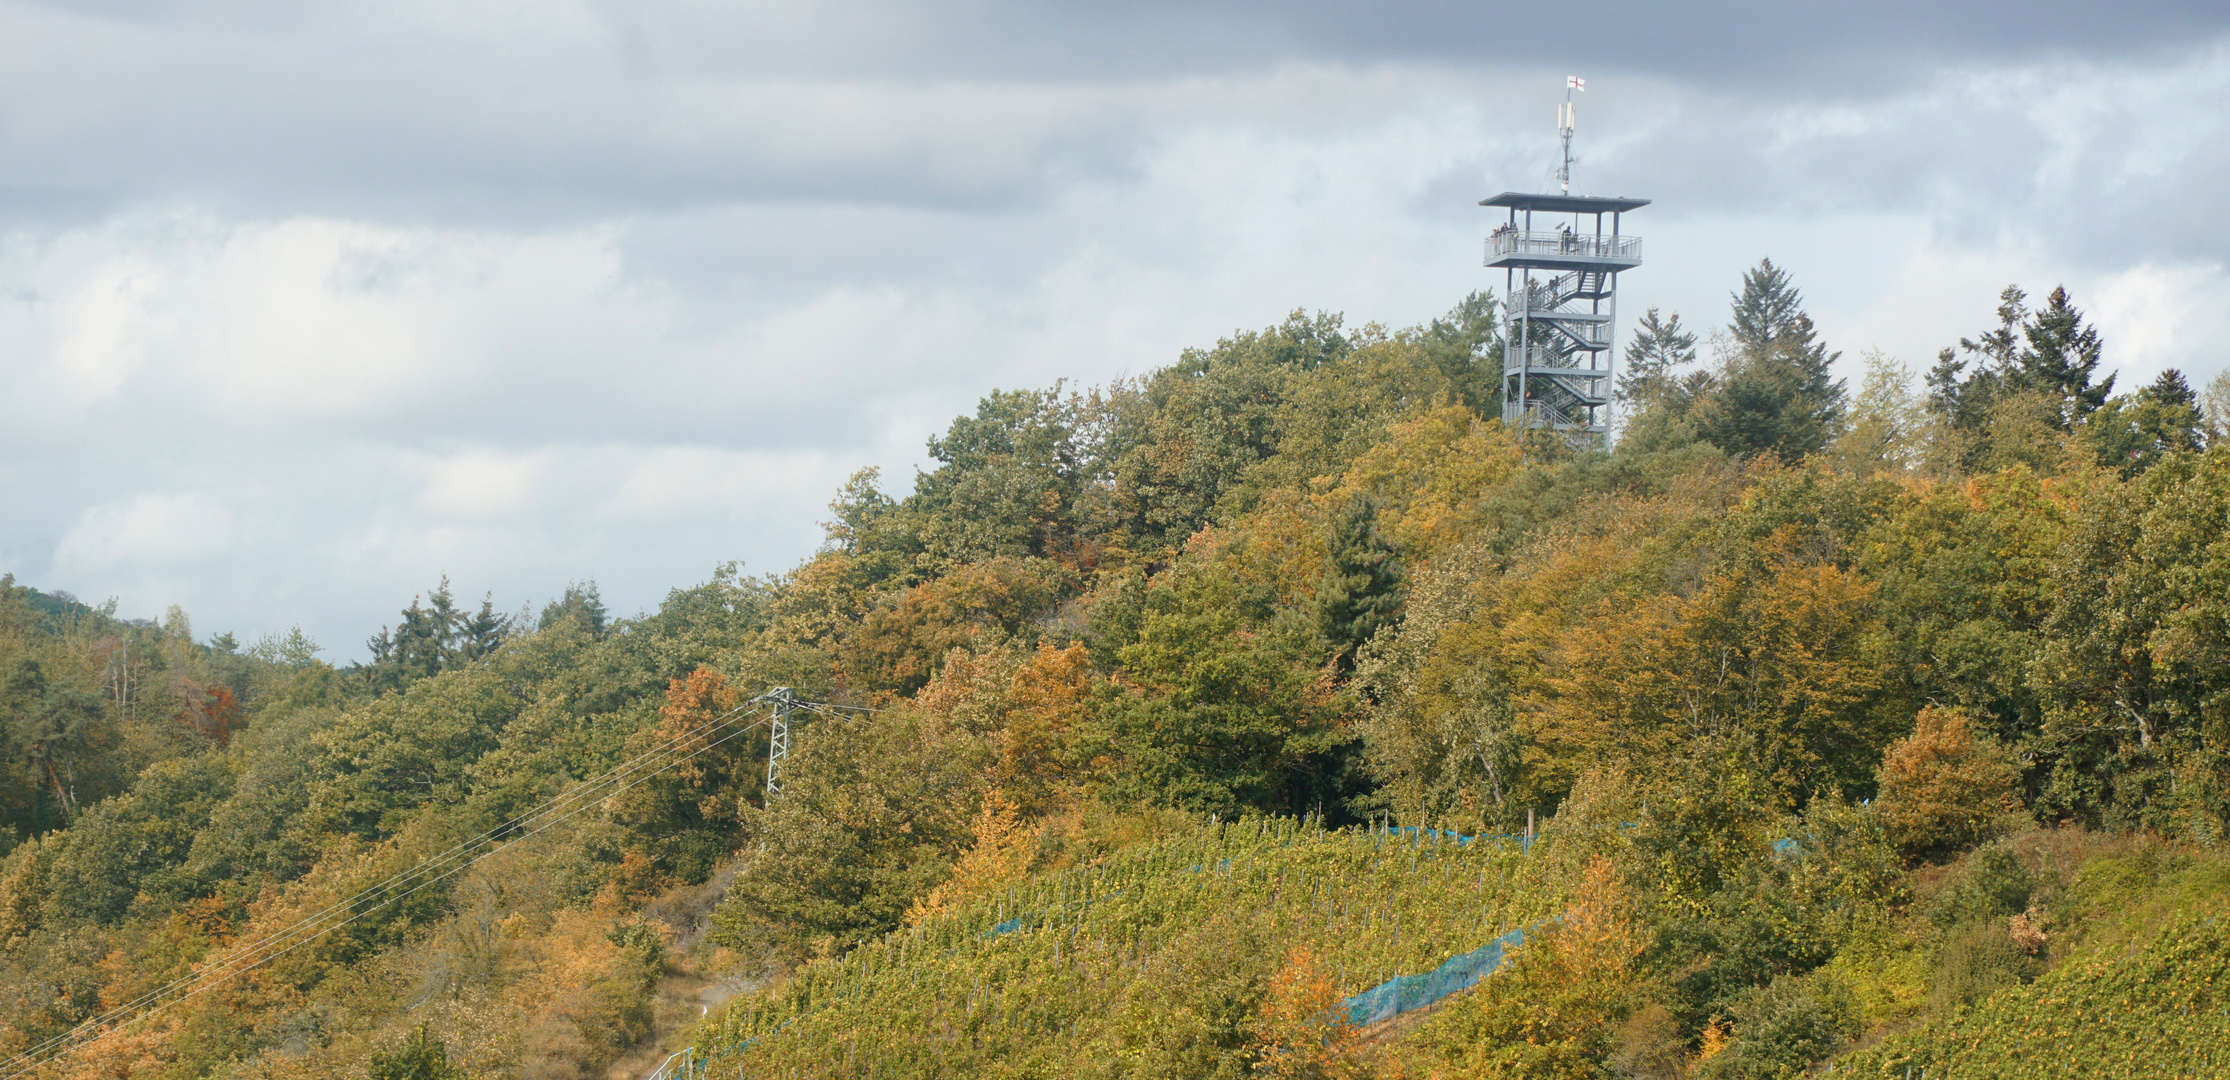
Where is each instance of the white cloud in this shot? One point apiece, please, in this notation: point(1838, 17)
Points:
point(263, 392)
point(151, 530)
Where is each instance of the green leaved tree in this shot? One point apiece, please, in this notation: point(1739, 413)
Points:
point(2132, 431)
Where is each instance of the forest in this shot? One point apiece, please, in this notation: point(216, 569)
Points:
point(1883, 728)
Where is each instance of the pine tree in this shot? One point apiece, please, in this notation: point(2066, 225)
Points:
point(2062, 354)
point(1962, 397)
point(1661, 347)
point(1766, 310)
point(2132, 432)
point(480, 635)
point(2000, 349)
point(435, 635)
point(2169, 389)
point(2008, 393)
point(582, 602)
point(1778, 395)
point(1361, 590)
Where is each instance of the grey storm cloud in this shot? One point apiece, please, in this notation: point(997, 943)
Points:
point(490, 112)
point(302, 306)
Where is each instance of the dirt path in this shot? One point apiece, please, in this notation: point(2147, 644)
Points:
point(687, 992)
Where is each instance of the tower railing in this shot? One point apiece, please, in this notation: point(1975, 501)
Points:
point(1548, 414)
point(1552, 307)
point(1591, 335)
point(1551, 296)
point(1507, 242)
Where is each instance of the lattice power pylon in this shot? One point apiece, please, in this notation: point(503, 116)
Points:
point(783, 705)
point(1561, 288)
point(781, 702)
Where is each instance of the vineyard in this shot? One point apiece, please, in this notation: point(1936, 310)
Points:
point(1149, 964)
point(2147, 996)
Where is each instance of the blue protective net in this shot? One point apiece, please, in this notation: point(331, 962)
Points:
point(1403, 993)
point(1524, 842)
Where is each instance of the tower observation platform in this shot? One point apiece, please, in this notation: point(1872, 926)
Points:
point(1561, 255)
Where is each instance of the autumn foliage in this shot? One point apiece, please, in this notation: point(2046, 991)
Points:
point(209, 710)
point(1772, 663)
point(1718, 720)
point(1945, 787)
point(1300, 1032)
point(1552, 1011)
point(686, 721)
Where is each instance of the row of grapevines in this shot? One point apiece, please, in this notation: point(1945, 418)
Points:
point(2159, 1008)
point(1147, 963)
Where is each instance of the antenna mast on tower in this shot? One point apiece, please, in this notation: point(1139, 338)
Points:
point(1561, 298)
point(1564, 124)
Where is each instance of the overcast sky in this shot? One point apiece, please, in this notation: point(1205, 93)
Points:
point(303, 306)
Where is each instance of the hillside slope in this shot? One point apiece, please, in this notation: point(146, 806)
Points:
point(1150, 963)
point(1811, 694)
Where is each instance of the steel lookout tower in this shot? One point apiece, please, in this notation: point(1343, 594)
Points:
point(1561, 255)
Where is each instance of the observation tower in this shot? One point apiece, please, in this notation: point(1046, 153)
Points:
point(1561, 254)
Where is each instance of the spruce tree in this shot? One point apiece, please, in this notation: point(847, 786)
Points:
point(2134, 431)
point(1361, 590)
point(1661, 347)
point(1963, 397)
point(2060, 356)
point(435, 635)
point(419, 646)
point(480, 634)
point(2169, 389)
point(581, 602)
point(2000, 349)
point(1766, 310)
point(1778, 395)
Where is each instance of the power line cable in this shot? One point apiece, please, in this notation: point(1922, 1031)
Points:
point(580, 792)
point(233, 965)
point(651, 762)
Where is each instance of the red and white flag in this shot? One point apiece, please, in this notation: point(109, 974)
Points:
point(1574, 82)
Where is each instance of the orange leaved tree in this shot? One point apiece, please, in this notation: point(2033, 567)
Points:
point(1779, 664)
point(1945, 788)
point(1300, 1033)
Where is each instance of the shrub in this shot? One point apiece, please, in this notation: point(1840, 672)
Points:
point(1975, 961)
point(1300, 1032)
point(1977, 953)
point(422, 1058)
point(1996, 884)
point(1784, 1026)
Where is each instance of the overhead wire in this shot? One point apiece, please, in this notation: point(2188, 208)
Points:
point(458, 858)
point(246, 960)
point(825, 708)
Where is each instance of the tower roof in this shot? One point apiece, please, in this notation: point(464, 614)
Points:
point(1564, 204)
